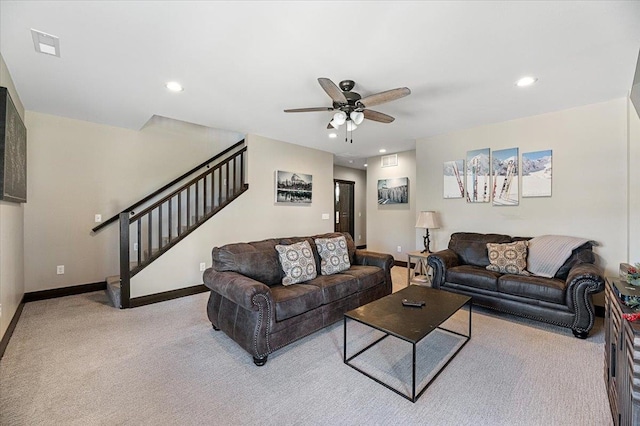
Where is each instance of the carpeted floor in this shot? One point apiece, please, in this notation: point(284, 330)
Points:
point(78, 361)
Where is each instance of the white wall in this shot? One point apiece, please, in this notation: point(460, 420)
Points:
point(11, 233)
point(77, 169)
point(390, 226)
point(360, 200)
point(253, 216)
point(589, 179)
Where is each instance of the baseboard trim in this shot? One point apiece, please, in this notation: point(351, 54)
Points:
point(64, 291)
point(167, 295)
point(401, 263)
point(12, 326)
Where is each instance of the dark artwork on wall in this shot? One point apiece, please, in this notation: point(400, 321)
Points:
point(294, 188)
point(13, 152)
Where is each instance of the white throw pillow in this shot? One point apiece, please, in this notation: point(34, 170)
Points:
point(297, 262)
point(334, 255)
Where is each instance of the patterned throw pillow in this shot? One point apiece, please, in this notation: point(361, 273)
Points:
point(508, 258)
point(297, 262)
point(334, 255)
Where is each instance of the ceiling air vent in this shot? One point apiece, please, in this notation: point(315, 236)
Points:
point(45, 43)
point(390, 160)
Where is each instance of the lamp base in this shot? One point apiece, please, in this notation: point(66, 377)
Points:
point(427, 243)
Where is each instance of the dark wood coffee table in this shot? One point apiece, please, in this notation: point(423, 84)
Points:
point(409, 324)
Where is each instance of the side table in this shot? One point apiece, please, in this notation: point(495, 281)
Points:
point(420, 274)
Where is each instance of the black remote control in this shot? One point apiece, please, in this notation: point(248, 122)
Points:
point(413, 303)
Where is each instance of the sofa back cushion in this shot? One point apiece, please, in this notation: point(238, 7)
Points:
point(257, 260)
point(582, 254)
point(471, 247)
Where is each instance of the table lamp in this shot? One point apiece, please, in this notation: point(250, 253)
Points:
point(427, 220)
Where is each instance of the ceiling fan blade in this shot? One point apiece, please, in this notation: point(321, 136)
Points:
point(377, 116)
point(332, 90)
point(387, 96)
point(330, 127)
point(314, 109)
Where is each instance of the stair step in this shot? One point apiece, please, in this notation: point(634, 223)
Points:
point(113, 290)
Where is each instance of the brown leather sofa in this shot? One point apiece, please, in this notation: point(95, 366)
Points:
point(563, 300)
point(249, 303)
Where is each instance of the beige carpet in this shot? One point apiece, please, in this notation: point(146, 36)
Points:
point(76, 360)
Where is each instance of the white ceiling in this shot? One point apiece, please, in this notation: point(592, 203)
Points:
point(242, 63)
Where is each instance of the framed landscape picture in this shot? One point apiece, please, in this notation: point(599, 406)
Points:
point(537, 173)
point(393, 191)
point(477, 176)
point(504, 169)
point(13, 151)
point(293, 188)
point(452, 173)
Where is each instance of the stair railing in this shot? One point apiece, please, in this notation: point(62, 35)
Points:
point(158, 227)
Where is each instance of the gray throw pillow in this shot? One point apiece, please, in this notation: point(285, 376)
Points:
point(334, 255)
point(297, 262)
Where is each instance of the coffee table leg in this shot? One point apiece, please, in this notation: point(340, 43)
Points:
point(345, 340)
point(413, 396)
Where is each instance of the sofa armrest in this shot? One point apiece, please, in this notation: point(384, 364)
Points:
point(371, 258)
point(439, 262)
point(584, 279)
point(236, 287)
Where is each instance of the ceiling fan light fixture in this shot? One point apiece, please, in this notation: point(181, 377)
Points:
point(334, 124)
point(351, 126)
point(339, 118)
point(357, 117)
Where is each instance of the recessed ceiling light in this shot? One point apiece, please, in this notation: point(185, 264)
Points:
point(174, 86)
point(365, 164)
point(45, 43)
point(350, 161)
point(526, 81)
point(333, 135)
point(382, 151)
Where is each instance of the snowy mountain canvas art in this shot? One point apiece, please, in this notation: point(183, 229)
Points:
point(537, 173)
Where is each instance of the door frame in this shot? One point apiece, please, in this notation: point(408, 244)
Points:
point(352, 223)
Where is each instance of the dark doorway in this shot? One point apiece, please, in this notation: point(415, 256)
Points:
point(344, 202)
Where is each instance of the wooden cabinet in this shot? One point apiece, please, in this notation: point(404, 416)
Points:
point(622, 360)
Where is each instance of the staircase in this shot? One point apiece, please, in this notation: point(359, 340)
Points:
point(171, 213)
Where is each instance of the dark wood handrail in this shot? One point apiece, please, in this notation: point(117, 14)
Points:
point(185, 186)
point(167, 186)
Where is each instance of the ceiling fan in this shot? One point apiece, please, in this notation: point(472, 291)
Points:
point(353, 108)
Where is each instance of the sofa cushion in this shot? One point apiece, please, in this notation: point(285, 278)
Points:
point(508, 258)
point(295, 299)
point(473, 276)
point(334, 256)
point(548, 289)
point(257, 260)
point(334, 287)
point(367, 276)
point(471, 247)
point(297, 261)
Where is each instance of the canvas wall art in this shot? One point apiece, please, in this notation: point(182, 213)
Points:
point(13, 151)
point(393, 191)
point(537, 173)
point(293, 188)
point(504, 170)
point(452, 173)
point(477, 177)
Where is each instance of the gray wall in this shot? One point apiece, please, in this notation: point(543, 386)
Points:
point(360, 199)
point(390, 226)
point(11, 234)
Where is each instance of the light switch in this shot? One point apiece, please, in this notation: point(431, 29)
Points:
point(325, 216)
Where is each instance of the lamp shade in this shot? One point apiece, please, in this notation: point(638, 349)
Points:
point(427, 220)
point(339, 118)
point(357, 117)
point(351, 126)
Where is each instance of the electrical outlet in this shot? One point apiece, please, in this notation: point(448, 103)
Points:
point(203, 266)
point(98, 218)
point(135, 246)
point(60, 269)
point(399, 249)
point(359, 237)
point(0, 310)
